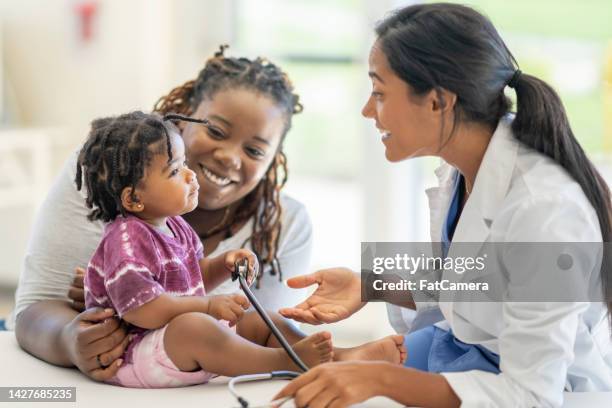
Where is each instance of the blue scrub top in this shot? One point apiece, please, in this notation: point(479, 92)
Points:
point(454, 211)
point(433, 349)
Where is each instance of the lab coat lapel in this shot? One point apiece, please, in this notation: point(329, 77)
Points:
point(439, 200)
point(488, 193)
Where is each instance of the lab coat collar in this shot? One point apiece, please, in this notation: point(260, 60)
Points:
point(495, 172)
point(439, 200)
point(488, 193)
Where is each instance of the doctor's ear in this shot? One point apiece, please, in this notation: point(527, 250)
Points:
point(130, 202)
point(441, 100)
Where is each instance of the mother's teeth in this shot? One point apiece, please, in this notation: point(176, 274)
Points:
point(220, 181)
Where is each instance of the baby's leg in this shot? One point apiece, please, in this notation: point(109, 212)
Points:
point(196, 341)
point(253, 328)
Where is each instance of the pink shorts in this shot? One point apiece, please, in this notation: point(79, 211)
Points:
point(152, 368)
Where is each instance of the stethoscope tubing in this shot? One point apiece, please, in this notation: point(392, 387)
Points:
point(241, 270)
point(279, 336)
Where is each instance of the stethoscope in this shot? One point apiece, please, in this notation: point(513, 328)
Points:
point(241, 270)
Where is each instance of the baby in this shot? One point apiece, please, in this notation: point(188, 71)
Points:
point(151, 269)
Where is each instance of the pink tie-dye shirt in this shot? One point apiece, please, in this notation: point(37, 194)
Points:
point(135, 263)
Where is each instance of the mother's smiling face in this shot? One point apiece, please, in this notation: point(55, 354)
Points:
point(232, 155)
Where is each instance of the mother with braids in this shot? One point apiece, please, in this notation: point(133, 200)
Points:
point(241, 169)
point(438, 74)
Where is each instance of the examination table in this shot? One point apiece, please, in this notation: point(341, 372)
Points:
point(19, 369)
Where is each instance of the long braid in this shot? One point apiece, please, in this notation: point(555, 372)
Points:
point(263, 203)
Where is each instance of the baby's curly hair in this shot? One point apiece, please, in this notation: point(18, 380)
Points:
point(115, 156)
point(263, 203)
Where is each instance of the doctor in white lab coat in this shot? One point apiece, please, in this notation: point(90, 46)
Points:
point(439, 72)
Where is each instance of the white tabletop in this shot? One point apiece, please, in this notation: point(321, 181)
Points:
point(19, 369)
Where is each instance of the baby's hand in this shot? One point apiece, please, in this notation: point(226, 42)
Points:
point(239, 254)
point(228, 307)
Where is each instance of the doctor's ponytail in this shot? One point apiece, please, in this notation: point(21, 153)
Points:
point(542, 124)
point(448, 46)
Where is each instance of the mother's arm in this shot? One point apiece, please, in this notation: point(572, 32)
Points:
point(54, 332)
point(39, 327)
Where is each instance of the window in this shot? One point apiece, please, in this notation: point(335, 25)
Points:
point(320, 44)
point(567, 44)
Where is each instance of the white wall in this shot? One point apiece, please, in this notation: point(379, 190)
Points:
point(139, 50)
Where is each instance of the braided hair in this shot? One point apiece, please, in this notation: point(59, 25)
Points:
point(263, 203)
point(115, 156)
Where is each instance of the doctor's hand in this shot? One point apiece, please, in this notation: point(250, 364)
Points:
point(337, 297)
point(337, 385)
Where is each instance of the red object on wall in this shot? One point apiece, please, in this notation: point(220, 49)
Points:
point(86, 11)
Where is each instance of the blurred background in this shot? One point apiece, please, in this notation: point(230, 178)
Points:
point(65, 62)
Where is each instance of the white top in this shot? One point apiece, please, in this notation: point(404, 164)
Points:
point(545, 347)
point(63, 238)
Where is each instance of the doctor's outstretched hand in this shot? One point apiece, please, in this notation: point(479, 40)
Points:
point(337, 297)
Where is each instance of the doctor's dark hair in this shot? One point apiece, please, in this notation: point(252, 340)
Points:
point(117, 152)
point(263, 203)
point(453, 47)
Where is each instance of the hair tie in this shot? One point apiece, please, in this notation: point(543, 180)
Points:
point(515, 78)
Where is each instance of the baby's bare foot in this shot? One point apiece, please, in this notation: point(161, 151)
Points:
point(314, 349)
point(389, 349)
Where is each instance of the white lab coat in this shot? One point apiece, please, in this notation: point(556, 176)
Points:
point(522, 196)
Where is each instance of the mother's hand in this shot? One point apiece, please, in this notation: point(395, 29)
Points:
point(335, 385)
point(76, 293)
point(337, 297)
point(94, 340)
